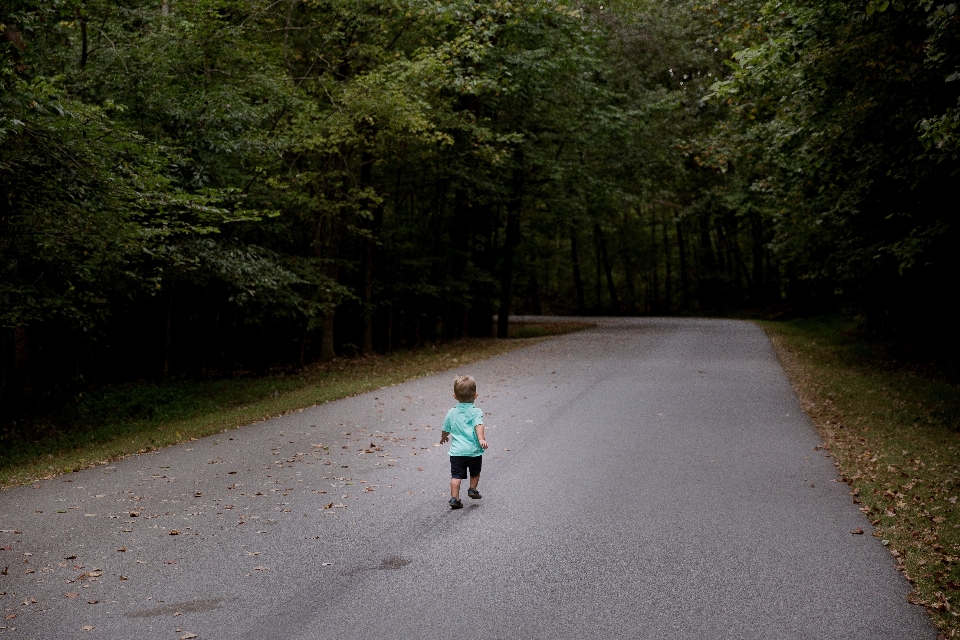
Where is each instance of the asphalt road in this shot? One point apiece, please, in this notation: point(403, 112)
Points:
point(650, 478)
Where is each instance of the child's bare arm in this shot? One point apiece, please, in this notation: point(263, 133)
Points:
point(483, 443)
point(444, 436)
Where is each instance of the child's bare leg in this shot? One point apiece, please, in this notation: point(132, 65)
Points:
point(455, 487)
point(474, 481)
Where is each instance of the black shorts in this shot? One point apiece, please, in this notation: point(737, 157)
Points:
point(460, 464)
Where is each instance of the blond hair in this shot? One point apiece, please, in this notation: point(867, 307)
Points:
point(465, 388)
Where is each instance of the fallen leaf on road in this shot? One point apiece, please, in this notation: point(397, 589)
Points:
point(858, 531)
point(87, 627)
point(70, 558)
point(189, 636)
point(71, 595)
point(10, 616)
point(253, 553)
point(122, 549)
point(124, 578)
point(92, 601)
point(260, 568)
point(174, 532)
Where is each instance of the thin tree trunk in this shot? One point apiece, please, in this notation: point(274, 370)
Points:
point(756, 228)
point(598, 275)
point(602, 244)
point(366, 169)
point(668, 276)
point(684, 273)
point(168, 339)
point(84, 52)
point(390, 330)
point(577, 278)
point(628, 269)
point(327, 350)
point(706, 245)
point(21, 360)
point(92, 354)
point(655, 269)
point(535, 293)
point(506, 274)
point(304, 339)
point(511, 241)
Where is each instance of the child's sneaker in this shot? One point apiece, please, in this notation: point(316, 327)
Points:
point(473, 493)
point(455, 503)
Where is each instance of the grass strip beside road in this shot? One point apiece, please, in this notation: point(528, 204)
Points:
point(893, 431)
point(116, 422)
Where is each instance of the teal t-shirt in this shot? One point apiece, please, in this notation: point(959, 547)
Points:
point(461, 423)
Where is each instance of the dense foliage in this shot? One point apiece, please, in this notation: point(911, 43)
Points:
point(192, 188)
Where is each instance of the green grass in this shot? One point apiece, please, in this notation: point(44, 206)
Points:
point(541, 329)
point(892, 428)
point(108, 424)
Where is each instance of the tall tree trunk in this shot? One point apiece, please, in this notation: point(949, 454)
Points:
point(668, 275)
point(390, 329)
point(327, 350)
point(655, 268)
point(628, 266)
point(511, 241)
point(168, 339)
point(92, 355)
point(597, 276)
point(756, 228)
point(577, 278)
point(84, 51)
point(21, 360)
point(304, 340)
point(684, 273)
point(367, 258)
point(535, 293)
point(602, 244)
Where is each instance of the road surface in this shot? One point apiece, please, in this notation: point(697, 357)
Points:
point(649, 478)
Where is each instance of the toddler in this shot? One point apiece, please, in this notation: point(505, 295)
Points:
point(463, 426)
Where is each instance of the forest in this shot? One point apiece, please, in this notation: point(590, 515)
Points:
point(207, 187)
